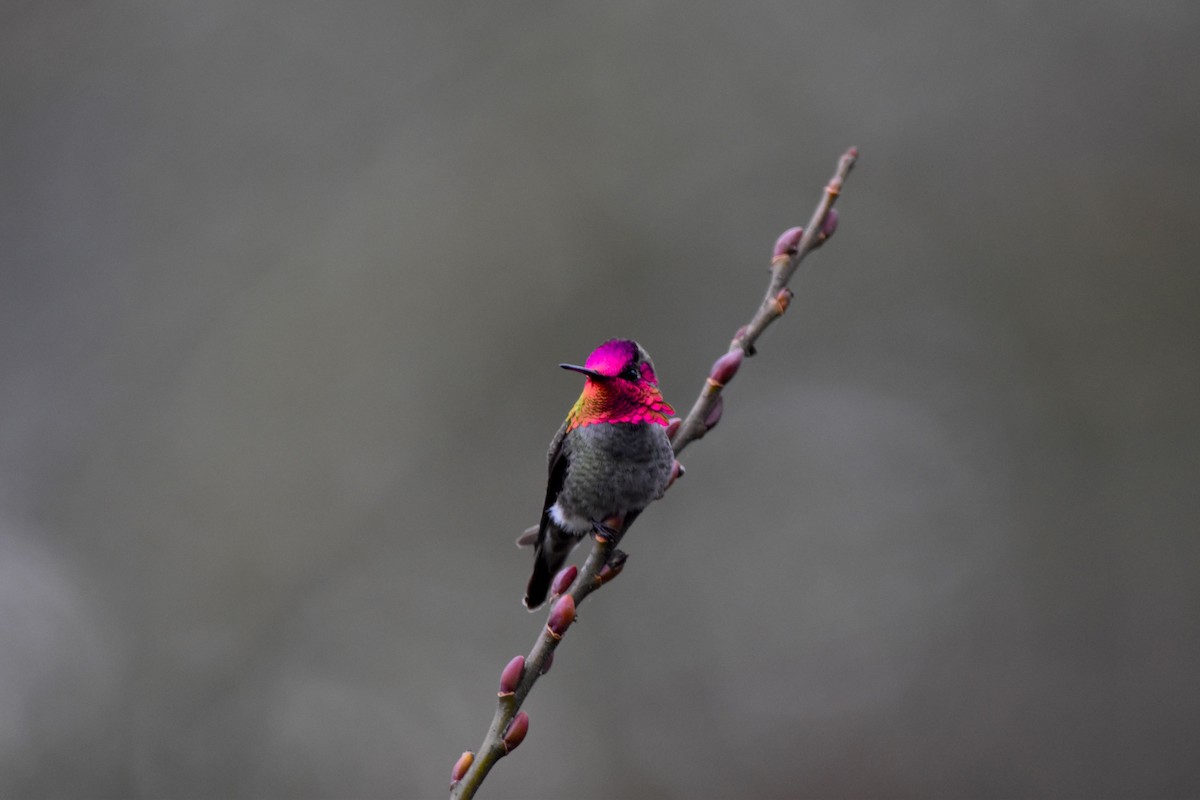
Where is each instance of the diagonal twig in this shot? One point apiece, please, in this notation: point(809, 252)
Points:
point(604, 562)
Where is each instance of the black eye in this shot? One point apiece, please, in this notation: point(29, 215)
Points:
point(631, 373)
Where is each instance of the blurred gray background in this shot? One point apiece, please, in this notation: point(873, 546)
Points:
point(282, 292)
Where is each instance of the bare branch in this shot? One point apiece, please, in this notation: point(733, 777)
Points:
point(790, 250)
point(604, 562)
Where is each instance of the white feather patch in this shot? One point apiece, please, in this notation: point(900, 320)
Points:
point(578, 525)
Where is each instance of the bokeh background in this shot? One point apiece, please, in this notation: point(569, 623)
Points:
point(282, 292)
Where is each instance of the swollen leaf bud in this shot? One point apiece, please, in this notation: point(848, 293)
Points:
point(787, 242)
point(563, 580)
point(673, 426)
point(714, 414)
point(514, 734)
point(561, 616)
point(614, 566)
point(829, 226)
point(461, 766)
point(511, 676)
point(725, 367)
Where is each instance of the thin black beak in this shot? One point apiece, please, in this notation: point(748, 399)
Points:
point(596, 376)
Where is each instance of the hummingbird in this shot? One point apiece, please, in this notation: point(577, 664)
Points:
point(610, 459)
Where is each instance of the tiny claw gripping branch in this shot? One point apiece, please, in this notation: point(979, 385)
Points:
point(509, 724)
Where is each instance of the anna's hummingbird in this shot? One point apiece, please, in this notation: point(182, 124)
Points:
point(608, 461)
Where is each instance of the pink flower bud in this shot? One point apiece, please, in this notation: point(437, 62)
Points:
point(725, 367)
point(614, 566)
point(561, 616)
point(461, 766)
point(714, 414)
point(787, 242)
point(673, 426)
point(563, 580)
point(830, 224)
point(514, 734)
point(511, 676)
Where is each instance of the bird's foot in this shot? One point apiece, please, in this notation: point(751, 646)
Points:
point(608, 529)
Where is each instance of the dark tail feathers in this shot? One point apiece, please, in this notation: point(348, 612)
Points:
point(548, 557)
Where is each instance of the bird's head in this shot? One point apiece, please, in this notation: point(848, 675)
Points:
point(618, 360)
point(621, 386)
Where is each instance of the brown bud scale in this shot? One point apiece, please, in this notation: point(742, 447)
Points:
point(782, 300)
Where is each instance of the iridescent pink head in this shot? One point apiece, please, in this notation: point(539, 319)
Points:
point(621, 387)
point(618, 358)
